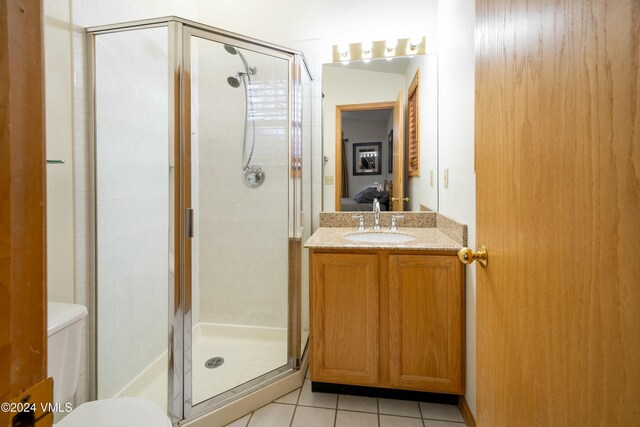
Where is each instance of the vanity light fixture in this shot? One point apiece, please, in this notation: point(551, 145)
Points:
point(414, 42)
point(391, 44)
point(343, 49)
point(379, 49)
point(366, 48)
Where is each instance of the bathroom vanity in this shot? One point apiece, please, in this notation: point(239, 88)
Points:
point(387, 314)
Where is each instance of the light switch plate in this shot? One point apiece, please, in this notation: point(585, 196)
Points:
point(328, 180)
point(446, 178)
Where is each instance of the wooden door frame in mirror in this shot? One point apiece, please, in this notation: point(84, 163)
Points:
point(390, 105)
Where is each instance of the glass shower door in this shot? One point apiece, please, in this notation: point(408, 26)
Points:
point(132, 213)
point(237, 184)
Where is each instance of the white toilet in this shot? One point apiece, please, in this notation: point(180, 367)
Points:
point(63, 365)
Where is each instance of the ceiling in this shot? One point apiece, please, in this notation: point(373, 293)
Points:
point(369, 115)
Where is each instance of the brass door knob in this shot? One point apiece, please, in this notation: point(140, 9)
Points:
point(467, 256)
point(397, 199)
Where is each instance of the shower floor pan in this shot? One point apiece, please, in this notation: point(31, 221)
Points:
point(248, 352)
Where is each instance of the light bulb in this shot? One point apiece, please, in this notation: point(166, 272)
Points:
point(414, 42)
point(391, 44)
point(366, 47)
point(343, 49)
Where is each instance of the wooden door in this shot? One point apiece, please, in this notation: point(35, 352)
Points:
point(398, 154)
point(558, 203)
point(426, 323)
point(344, 310)
point(23, 320)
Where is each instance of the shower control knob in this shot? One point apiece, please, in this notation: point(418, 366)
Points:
point(253, 176)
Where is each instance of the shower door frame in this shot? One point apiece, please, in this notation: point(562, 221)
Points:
point(180, 408)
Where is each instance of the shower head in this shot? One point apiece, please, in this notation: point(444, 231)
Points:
point(232, 50)
point(234, 81)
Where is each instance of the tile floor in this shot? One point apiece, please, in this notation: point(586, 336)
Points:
point(304, 408)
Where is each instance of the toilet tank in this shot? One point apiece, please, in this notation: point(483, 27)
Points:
point(64, 327)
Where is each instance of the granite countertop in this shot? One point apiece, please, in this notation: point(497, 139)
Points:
point(430, 238)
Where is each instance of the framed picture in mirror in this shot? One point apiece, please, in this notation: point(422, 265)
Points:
point(367, 158)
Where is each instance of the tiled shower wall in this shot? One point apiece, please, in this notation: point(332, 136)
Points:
point(242, 232)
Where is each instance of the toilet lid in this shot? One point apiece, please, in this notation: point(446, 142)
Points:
point(117, 412)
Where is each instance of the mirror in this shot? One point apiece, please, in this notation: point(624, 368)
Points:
point(380, 134)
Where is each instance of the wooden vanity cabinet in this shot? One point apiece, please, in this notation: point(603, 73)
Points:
point(391, 319)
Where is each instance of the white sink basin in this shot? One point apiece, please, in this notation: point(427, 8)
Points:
point(377, 237)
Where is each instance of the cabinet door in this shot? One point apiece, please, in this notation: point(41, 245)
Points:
point(344, 311)
point(426, 323)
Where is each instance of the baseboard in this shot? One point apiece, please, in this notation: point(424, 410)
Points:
point(386, 393)
point(469, 420)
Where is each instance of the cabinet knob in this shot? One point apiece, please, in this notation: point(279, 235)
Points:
point(467, 256)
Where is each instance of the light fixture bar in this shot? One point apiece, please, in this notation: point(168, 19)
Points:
point(380, 49)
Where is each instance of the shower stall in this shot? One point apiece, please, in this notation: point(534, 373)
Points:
point(202, 144)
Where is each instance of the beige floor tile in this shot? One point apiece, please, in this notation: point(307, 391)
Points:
point(240, 422)
point(357, 403)
point(272, 415)
point(438, 423)
point(405, 408)
point(306, 416)
point(291, 398)
point(393, 421)
point(356, 419)
point(319, 400)
point(435, 411)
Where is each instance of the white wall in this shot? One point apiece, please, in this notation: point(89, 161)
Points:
point(100, 12)
point(357, 131)
point(421, 190)
point(59, 136)
point(456, 19)
point(349, 86)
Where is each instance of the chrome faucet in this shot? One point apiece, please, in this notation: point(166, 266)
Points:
point(376, 214)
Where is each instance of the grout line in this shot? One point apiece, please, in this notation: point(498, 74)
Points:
point(249, 420)
point(421, 415)
point(445, 421)
point(350, 410)
point(295, 408)
point(378, 405)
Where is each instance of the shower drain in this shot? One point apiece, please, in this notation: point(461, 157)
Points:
point(214, 362)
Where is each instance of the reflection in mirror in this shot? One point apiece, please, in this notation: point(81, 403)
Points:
point(380, 127)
